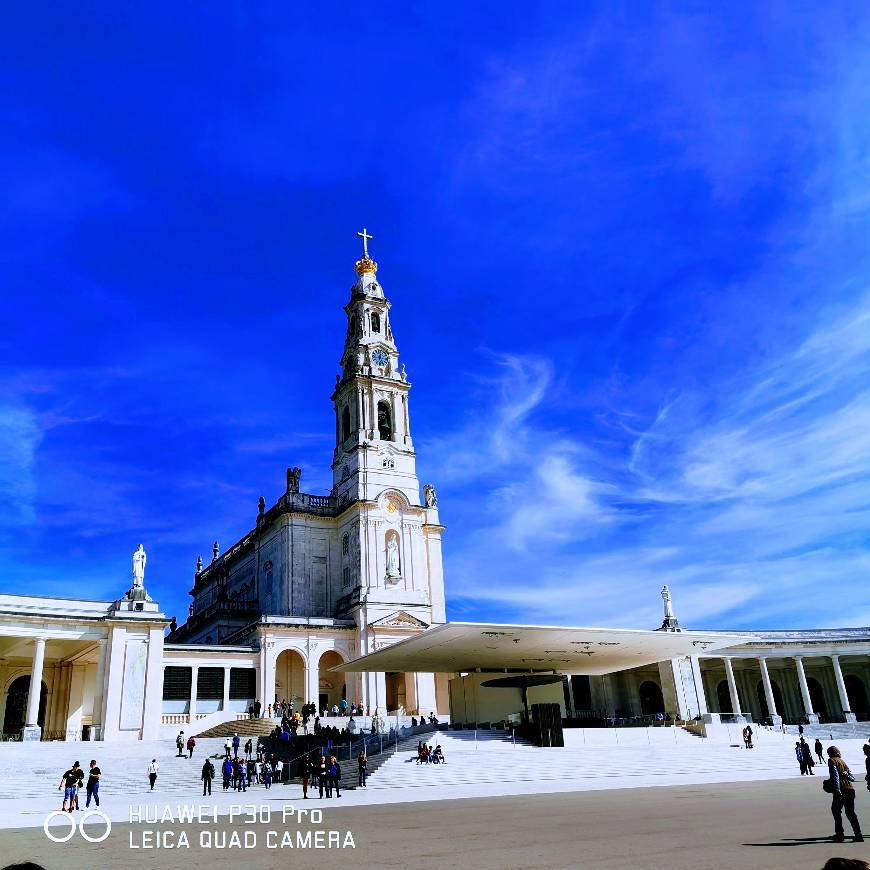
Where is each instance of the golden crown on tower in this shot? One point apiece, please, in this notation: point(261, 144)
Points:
point(366, 266)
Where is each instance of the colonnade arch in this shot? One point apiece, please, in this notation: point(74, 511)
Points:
point(331, 686)
point(290, 678)
point(16, 704)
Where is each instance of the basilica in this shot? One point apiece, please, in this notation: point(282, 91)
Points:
point(340, 596)
point(325, 578)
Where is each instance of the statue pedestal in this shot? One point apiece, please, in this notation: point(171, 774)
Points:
point(813, 719)
point(850, 717)
point(31, 732)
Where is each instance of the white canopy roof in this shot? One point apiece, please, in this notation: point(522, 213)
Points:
point(466, 646)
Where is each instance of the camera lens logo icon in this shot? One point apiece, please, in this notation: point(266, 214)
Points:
point(80, 825)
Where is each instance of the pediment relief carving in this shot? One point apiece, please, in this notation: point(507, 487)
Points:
point(400, 619)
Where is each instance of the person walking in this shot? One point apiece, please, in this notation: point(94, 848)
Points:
point(191, 742)
point(249, 748)
point(236, 743)
point(363, 763)
point(153, 770)
point(92, 787)
point(819, 750)
point(207, 776)
point(267, 775)
point(228, 747)
point(749, 737)
point(866, 748)
point(227, 771)
point(69, 783)
point(840, 780)
point(808, 757)
point(798, 751)
point(179, 744)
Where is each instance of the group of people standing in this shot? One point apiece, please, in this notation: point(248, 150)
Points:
point(71, 782)
point(323, 774)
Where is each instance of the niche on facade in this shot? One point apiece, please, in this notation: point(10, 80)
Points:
point(392, 556)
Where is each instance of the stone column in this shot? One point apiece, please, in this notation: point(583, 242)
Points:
point(225, 704)
point(841, 688)
point(732, 689)
point(99, 686)
point(312, 684)
point(700, 693)
point(768, 694)
point(424, 685)
point(194, 680)
point(812, 717)
point(31, 730)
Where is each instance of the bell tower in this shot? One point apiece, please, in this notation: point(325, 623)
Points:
point(373, 446)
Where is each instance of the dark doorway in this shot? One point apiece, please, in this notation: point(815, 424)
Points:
point(581, 691)
point(857, 693)
point(651, 700)
point(16, 705)
point(762, 698)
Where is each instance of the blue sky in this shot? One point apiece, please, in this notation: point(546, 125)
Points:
point(626, 249)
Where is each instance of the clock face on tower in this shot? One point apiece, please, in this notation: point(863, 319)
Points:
point(379, 358)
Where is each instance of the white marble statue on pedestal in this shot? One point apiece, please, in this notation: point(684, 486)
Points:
point(392, 557)
point(139, 559)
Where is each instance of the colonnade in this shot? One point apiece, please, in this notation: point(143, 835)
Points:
point(774, 713)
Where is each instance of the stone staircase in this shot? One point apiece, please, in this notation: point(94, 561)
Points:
point(833, 731)
point(243, 727)
point(491, 757)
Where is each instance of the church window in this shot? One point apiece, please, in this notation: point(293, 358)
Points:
point(376, 322)
point(385, 421)
point(345, 544)
point(353, 325)
point(345, 577)
point(345, 423)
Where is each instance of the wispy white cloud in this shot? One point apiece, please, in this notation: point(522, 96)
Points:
point(747, 506)
point(20, 435)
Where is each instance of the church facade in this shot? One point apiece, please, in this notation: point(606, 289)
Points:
point(321, 579)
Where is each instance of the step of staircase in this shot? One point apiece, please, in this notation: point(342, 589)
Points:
point(243, 727)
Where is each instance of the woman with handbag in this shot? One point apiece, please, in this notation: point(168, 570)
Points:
point(839, 784)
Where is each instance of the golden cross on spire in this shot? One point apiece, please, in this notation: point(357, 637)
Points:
point(366, 239)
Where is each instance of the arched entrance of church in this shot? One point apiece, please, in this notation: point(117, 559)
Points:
point(817, 697)
point(857, 695)
point(290, 678)
point(723, 696)
point(16, 705)
point(651, 700)
point(331, 686)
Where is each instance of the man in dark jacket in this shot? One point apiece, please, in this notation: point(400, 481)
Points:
point(207, 776)
point(323, 777)
point(305, 775)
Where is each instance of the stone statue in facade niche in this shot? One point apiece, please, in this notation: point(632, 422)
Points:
point(139, 559)
point(293, 475)
point(429, 497)
point(392, 557)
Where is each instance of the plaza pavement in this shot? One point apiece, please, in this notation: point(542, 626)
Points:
point(477, 767)
point(767, 824)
